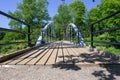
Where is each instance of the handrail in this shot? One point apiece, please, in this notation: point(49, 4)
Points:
point(10, 30)
point(9, 43)
point(107, 30)
point(16, 19)
point(110, 29)
point(16, 31)
point(104, 42)
point(110, 15)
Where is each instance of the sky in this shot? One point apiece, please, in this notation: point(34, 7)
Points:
point(10, 5)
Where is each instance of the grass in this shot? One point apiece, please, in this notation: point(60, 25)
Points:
point(105, 47)
point(113, 50)
point(12, 48)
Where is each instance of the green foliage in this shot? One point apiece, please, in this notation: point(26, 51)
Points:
point(113, 50)
point(10, 36)
point(110, 50)
point(61, 20)
point(94, 14)
point(12, 48)
point(33, 12)
point(2, 34)
point(74, 12)
point(105, 8)
point(15, 24)
point(77, 12)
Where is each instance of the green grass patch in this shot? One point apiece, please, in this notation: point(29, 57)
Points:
point(104, 47)
point(112, 50)
point(12, 48)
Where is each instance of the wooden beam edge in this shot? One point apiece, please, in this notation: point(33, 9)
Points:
point(17, 53)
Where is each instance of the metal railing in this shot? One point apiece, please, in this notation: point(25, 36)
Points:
point(16, 31)
point(107, 30)
point(92, 32)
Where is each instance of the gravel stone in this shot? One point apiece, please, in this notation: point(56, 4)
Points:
point(25, 72)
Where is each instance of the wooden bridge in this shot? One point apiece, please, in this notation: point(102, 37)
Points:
point(59, 52)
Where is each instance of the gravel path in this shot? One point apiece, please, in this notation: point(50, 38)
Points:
point(59, 73)
point(1, 55)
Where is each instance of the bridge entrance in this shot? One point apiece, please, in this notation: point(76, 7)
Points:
point(60, 53)
point(48, 50)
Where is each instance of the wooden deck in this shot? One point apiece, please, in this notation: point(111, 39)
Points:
point(60, 53)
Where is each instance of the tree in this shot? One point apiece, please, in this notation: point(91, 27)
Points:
point(77, 12)
point(61, 20)
point(105, 8)
point(108, 7)
point(2, 34)
point(94, 14)
point(33, 12)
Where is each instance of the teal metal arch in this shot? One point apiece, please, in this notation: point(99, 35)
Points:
point(39, 41)
point(80, 38)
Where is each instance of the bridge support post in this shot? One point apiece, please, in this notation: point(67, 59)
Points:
point(29, 40)
point(70, 35)
point(50, 34)
point(92, 48)
point(47, 35)
point(78, 38)
point(42, 37)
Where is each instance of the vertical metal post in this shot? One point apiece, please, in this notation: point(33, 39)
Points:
point(70, 33)
point(78, 38)
point(50, 33)
point(47, 35)
point(59, 35)
point(67, 38)
point(42, 37)
point(29, 40)
point(92, 37)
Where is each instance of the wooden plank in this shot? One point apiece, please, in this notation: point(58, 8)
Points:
point(14, 54)
point(80, 51)
point(53, 56)
point(46, 57)
point(17, 57)
point(75, 55)
point(24, 61)
point(72, 57)
point(71, 52)
point(24, 54)
point(76, 51)
point(8, 61)
point(35, 60)
point(21, 57)
point(60, 56)
point(67, 56)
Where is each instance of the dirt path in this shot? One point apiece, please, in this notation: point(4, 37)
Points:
point(59, 73)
